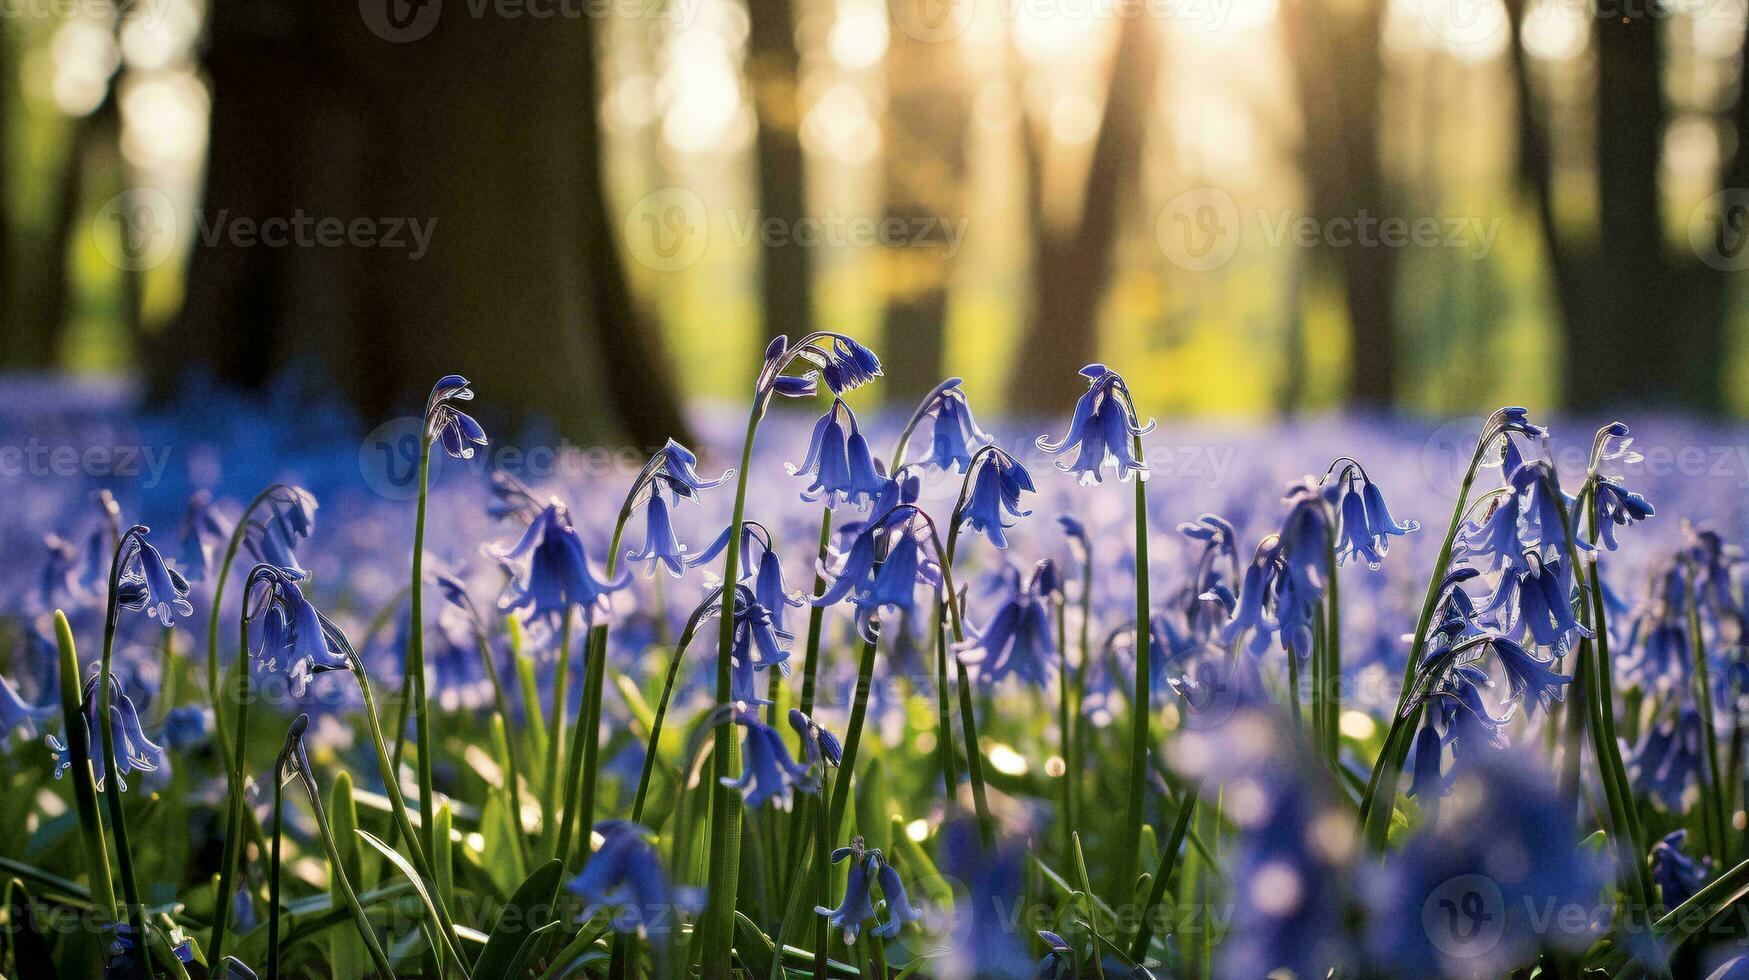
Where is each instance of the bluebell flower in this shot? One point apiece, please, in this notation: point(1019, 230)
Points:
point(202, 528)
point(1534, 596)
point(1540, 522)
point(18, 715)
point(1298, 584)
point(133, 750)
point(444, 423)
point(1427, 785)
point(1472, 730)
point(1677, 875)
point(770, 592)
point(956, 435)
point(1534, 682)
point(291, 636)
point(768, 772)
point(903, 487)
point(867, 867)
point(660, 544)
point(625, 877)
point(1354, 538)
point(188, 727)
point(843, 363)
point(1616, 506)
point(1667, 758)
point(1059, 963)
point(678, 472)
point(290, 519)
point(995, 880)
point(841, 466)
point(550, 572)
point(58, 584)
point(148, 583)
point(1103, 430)
point(1248, 614)
point(124, 957)
point(995, 497)
point(1017, 641)
point(890, 582)
point(758, 646)
point(1470, 895)
point(821, 745)
point(1076, 533)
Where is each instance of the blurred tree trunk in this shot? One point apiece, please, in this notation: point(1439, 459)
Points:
point(785, 267)
point(1072, 267)
point(1643, 322)
point(1335, 51)
point(927, 113)
point(467, 159)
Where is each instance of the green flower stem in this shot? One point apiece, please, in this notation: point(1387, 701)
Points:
point(234, 818)
point(822, 869)
point(337, 867)
point(1162, 875)
point(501, 703)
point(112, 777)
point(273, 863)
point(852, 739)
point(968, 717)
point(550, 799)
point(816, 618)
point(1066, 730)
point(651, 750)
point(212, 626)
point(84, 781)
point(1381, 792)
point(398, 804)
point(588, 731)
point(1124, 878)
point(944, 749)
point(1713, 789)
point(1333, 666)
point(718, 927)
point(416, 657)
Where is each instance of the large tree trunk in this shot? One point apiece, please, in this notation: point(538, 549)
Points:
point(785, 267)
point(1071, 269)
point(1335, 50)
point(470, 156)
point(925, 164)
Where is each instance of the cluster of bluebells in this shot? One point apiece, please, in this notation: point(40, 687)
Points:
point(867, 867)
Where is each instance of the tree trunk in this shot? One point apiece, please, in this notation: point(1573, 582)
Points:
point(1339, 72)
point(927, 113)
point(785, 267)
point(1071, 269)
point(458, 176)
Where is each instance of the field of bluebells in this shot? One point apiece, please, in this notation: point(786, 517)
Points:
point(841, 697)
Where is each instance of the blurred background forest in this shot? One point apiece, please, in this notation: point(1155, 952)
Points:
point(600, 209)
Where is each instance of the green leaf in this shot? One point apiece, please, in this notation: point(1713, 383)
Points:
point(528, 952)
point(754, 947)
point(346, 951)
point(531, 909)
point(419, 886)
point(25, 940)
point(502, 859)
